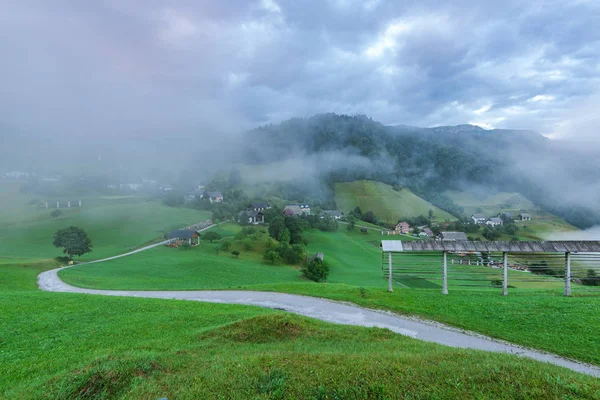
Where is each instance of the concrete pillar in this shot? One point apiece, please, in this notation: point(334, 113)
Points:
point(198, 239)
point(390, 287)
point(445, 282)
point(46, 204)
point(505, 276)
point(190, 241)
point(79, 203)
point(568, 274)
point(69, 203)
point(58, 204)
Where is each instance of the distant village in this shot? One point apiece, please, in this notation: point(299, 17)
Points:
point(253, 213)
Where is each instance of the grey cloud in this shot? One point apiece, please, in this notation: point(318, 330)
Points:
point(119, 68)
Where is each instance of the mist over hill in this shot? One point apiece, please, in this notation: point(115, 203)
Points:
point(562, 179)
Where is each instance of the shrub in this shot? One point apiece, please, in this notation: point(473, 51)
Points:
point(56, 213)
point(291, 254)
point(316, 270)
point(226, 245)
point(272, 256)
point(248, 244)
point(235, 253)
point(212, 236)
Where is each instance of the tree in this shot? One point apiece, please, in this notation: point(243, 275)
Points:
point(272, 256)
point(357, 213)
point(73, 240)
point(351, 223)
point(235, 253)
point(56, 213)
point(430, 214)
point(316, 270)
point(226, 245)
point(212, 236)
point(370, 217)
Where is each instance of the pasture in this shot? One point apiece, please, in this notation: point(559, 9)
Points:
point(114, 224)
point(388, 204)
point(79, 346)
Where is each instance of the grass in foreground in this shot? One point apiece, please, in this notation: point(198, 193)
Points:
point(541, 319)
point(77, 346)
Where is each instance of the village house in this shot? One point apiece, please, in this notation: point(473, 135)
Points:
point(453, 236)
point(213, 197)
point(507, 215)
point(402, 227)
point(180, 235)
point(134, 187)
point(479, 219)
point(426, 232)
point(493, 222)
point(296, 210)
point(525, 217)
point(253, 217)
point(259, 206)
point(331, 214)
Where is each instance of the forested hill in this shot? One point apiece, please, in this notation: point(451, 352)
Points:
point(432, 160)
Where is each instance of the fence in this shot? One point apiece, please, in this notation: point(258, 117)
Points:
point(435, 268)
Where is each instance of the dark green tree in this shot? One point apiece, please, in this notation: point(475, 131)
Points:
point(56, 213)
point(235, 253)
point(316, 270)
point(212, 236)
point(73, 240)
point(272, 256)
point(351, 223)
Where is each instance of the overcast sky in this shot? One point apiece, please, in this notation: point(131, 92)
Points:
point(136, 67)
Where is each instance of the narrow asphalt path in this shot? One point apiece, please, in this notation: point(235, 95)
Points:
point(330, 311)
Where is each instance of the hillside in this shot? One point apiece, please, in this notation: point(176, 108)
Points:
point(388, 204)
point(115, 224)
point(541, 226)
point(429, 161)
point(490, 203)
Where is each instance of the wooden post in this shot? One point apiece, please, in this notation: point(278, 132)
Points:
point(568, 274)
point(505, 275)
point(445, 282)
point(390, 287)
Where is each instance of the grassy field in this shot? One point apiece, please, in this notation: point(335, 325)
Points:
point(114, 224)
point(67, 346)
point(544, 318)
point(491, 204)
point(388, 204)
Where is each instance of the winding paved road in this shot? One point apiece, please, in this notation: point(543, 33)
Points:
point(330, 311)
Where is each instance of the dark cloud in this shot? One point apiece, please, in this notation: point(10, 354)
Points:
point(112, 68)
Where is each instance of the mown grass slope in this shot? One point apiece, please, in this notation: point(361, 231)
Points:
point(115, 225)
point(388, 204)
point(542, 319)
point(542, 226)
point(72, 346)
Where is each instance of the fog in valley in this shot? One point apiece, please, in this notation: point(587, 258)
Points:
point(174, 92)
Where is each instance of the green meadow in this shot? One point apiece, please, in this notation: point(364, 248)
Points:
point(114, 224)
point(534, 314)
point(389, 205)
point(72, 346)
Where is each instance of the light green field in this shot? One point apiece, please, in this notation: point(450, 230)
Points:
point(491, 204)
point(68, 346)
point(115, 225)
point(389, 205)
